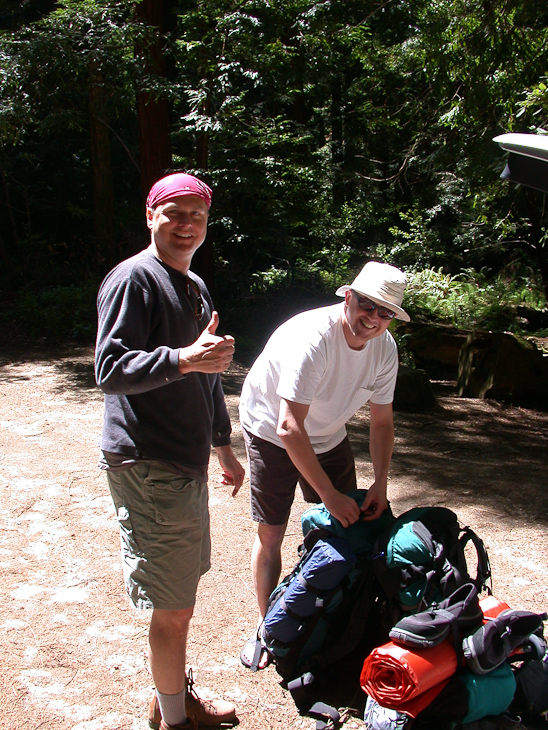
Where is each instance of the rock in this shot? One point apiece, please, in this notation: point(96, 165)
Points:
point(413, 392)
point(435, 347)
point(502, 366)
point(533, 319)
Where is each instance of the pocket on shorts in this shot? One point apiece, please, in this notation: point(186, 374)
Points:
point(174, 500)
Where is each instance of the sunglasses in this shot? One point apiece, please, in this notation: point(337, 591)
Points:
point(368, 306)
point(198, 301)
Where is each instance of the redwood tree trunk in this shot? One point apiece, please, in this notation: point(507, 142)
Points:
point(101, 168)
point(153, 111)
point(204, 259)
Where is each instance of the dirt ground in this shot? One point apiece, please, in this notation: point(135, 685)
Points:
point(73, 650)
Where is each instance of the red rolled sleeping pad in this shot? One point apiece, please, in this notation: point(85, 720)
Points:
point(408, 680)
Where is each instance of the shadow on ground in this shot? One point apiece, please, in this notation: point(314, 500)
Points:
point(479, 450)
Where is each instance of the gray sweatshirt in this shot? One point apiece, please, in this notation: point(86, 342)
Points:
point(152, 411)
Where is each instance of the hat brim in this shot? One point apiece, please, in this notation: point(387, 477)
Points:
point(400, 313)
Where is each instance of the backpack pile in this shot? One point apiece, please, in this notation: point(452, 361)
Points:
point(399, 592)
point(450, 663)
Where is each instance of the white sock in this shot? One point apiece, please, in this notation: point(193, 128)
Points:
point(172, 707)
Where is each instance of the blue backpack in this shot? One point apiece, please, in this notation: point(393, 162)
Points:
point(319, 612)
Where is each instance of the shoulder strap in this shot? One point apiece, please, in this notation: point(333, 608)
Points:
point(363, 596)
point(484, 578)
point(325, 715)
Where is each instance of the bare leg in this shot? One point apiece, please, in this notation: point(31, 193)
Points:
point(266, 562)
point(167, 649)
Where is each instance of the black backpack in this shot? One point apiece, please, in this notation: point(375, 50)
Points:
point(422, 559)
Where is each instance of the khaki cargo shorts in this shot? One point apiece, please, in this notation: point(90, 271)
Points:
point(164, 530)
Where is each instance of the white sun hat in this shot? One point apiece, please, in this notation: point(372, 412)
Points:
point(383, 284)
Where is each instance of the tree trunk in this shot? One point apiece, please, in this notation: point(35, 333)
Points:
point(204, 259)
point(4, 252)
point(152, 111)
point(337, 139)
point(101, 169)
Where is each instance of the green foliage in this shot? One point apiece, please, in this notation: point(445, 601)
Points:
point(471, 299)
point(47, 71)
point(331, 133)
point(53, 314)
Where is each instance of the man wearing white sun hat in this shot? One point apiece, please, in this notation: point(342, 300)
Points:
point(315, 372)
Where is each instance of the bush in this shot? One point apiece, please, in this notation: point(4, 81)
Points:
point(55, 314)
point(470, 299)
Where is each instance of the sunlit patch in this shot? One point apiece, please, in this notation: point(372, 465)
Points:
point(26, 485)
point(26, 591)
point(70, 594)
point(100, 723)
point(14, 623)
point(23, 429)
point(125, 664)
point(38, 549)
point(236, 695)
point(110, 633)
point(227, 663)
point(49, 530)
point(523, 562)
point(59, 618)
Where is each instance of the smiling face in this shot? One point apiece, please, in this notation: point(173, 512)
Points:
point(360, 326)
point(178, 228)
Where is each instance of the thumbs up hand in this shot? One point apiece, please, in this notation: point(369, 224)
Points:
point(210, 353)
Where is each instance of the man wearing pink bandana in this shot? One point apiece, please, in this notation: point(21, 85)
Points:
point(158, 361)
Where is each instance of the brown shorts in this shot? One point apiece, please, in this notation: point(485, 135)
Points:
point(273, 477)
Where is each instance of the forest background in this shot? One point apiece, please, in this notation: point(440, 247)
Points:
point(331, 133)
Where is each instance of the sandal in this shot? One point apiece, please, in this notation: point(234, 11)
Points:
point(254, 655)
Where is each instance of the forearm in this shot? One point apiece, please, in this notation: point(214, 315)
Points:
point(120, 371)
point(381, 446)
point(299, 449)
point(233, 471)
point(127, 362)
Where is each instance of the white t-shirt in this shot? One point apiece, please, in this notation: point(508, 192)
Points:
point(307, 360)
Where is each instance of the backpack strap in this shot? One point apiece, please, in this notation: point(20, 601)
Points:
point(506, 721)
point(323, 714)
point(364, 595)
point(484, 576)
point(300, 689)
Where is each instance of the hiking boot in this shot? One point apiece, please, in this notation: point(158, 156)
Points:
point(203, 712)
point(495, 641)
point(460, 611)
point(188, 724)
point(207, 712)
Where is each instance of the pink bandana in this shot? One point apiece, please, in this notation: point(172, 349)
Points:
point(177, 184)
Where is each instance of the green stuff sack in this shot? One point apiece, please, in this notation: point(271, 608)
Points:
point(362, 535)
point(420, 559)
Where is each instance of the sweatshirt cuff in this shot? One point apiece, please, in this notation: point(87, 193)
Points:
point(174, 366)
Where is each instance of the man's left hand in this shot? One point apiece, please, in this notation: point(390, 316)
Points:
point(374, 503)
point(233, 471)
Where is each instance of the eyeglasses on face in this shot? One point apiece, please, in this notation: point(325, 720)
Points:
point(198, 301)
point(368, 306)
